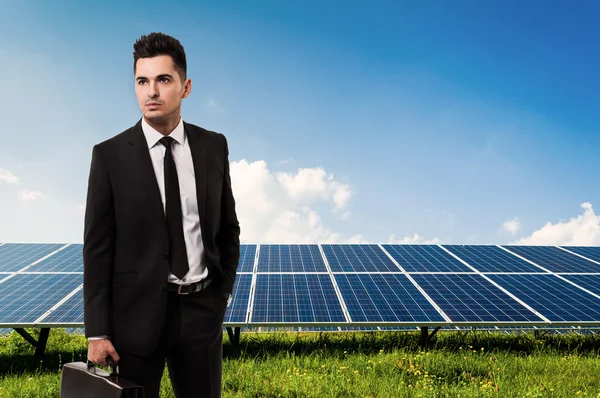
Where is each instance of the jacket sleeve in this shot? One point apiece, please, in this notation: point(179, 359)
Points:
point(98, 248)
point(228, 237)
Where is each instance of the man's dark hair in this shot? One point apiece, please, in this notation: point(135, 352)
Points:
point(157, 43)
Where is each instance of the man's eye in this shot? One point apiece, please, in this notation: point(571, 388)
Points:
point(141, 82)
point(164, 80)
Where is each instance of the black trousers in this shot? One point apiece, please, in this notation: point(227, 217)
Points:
point(191, 345)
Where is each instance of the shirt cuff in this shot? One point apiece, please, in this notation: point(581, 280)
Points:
point(98, 338)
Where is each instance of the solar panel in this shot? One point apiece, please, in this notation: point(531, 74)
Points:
point(491, 259)
point(290, 258)
point(247, 255)
point(471, 298)
point(591, 252)
point(357, 328)
point(555, 259)
point(296, 298)
point(70, 259)
point(358, 258)
point(15, 256)
point(552, 297)
point(26, 297)
point(238, 308)
point(385, 298)
point(589, 282)
point(294, 287)
point(425, 258)
point(71, 311)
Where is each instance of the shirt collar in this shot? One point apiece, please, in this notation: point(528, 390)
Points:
point(153, 136)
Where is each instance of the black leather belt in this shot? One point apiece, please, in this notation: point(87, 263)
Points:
point(188, 289)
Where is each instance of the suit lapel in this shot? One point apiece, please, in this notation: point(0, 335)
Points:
point(145, 170)
point(198, 149)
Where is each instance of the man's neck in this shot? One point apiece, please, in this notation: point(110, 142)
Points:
point(165, 128)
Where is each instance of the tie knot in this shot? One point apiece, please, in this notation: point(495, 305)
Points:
point(166, 141)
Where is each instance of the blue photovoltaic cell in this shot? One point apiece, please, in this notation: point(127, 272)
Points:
point(290, 258)
point(247, 255)
point(26, 297)
point(358, 258)
point(360, 328)
point(70, 259)
point(425, 258)
point(557, 300)
point(591, 252)
point(471, 298)
point(71, 311)
point(15, 256)
point(238, 308)
point(385, 298)
point(296, 298)
point(492, 259)
point(555, 259)
point(589, 282)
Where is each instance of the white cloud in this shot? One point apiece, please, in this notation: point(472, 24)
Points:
point(311, 183)
point(211, 102)
point(281, 207)
point(581, 230)
point(511, 226)
point(8, 177)
point(298, 226)
point(415, 239)
point(30, 195)
point(356, 239)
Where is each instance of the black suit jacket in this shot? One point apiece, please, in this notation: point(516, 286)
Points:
point(126, 243)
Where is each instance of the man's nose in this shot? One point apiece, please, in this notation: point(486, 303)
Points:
point(153, 91)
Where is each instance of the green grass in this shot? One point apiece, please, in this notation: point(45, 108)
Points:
point(380, 364)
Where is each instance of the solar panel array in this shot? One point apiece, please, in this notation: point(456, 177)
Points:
point(342, 286)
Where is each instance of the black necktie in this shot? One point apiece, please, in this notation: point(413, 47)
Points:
point(177, 253)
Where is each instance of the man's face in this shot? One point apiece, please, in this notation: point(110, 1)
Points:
point(159, 88)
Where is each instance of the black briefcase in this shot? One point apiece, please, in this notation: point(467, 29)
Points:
point(84, 380)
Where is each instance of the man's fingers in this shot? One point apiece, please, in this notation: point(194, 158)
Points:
point(98, 360)
point(101, 361)
point(113, 354)
point(99, 350)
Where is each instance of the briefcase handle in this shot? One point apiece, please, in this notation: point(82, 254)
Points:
point(111, 362)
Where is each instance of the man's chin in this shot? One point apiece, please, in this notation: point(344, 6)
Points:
point(154, 117)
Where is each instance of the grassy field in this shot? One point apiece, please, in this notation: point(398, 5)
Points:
point(379, 364)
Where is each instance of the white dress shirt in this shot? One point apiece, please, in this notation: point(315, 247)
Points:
point(182, 156)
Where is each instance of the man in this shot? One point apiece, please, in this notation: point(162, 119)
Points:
point(161, 241)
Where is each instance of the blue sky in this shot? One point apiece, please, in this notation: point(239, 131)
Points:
point(460, 122)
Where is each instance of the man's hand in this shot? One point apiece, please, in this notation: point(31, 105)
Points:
point(98, 350)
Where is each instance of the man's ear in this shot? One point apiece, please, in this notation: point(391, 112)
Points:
point(187, 88)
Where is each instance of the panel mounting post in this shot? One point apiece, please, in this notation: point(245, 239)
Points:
point(234, 336)
point(426, 337)
point(40, 344)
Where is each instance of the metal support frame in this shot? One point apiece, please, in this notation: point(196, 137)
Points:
point(234, 336)
point(426, 337)
point(40, 344)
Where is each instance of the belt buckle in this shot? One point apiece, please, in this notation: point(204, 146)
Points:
point(180, 292)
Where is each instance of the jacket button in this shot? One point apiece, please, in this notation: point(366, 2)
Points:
point(163, 286)
point(165, 256)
